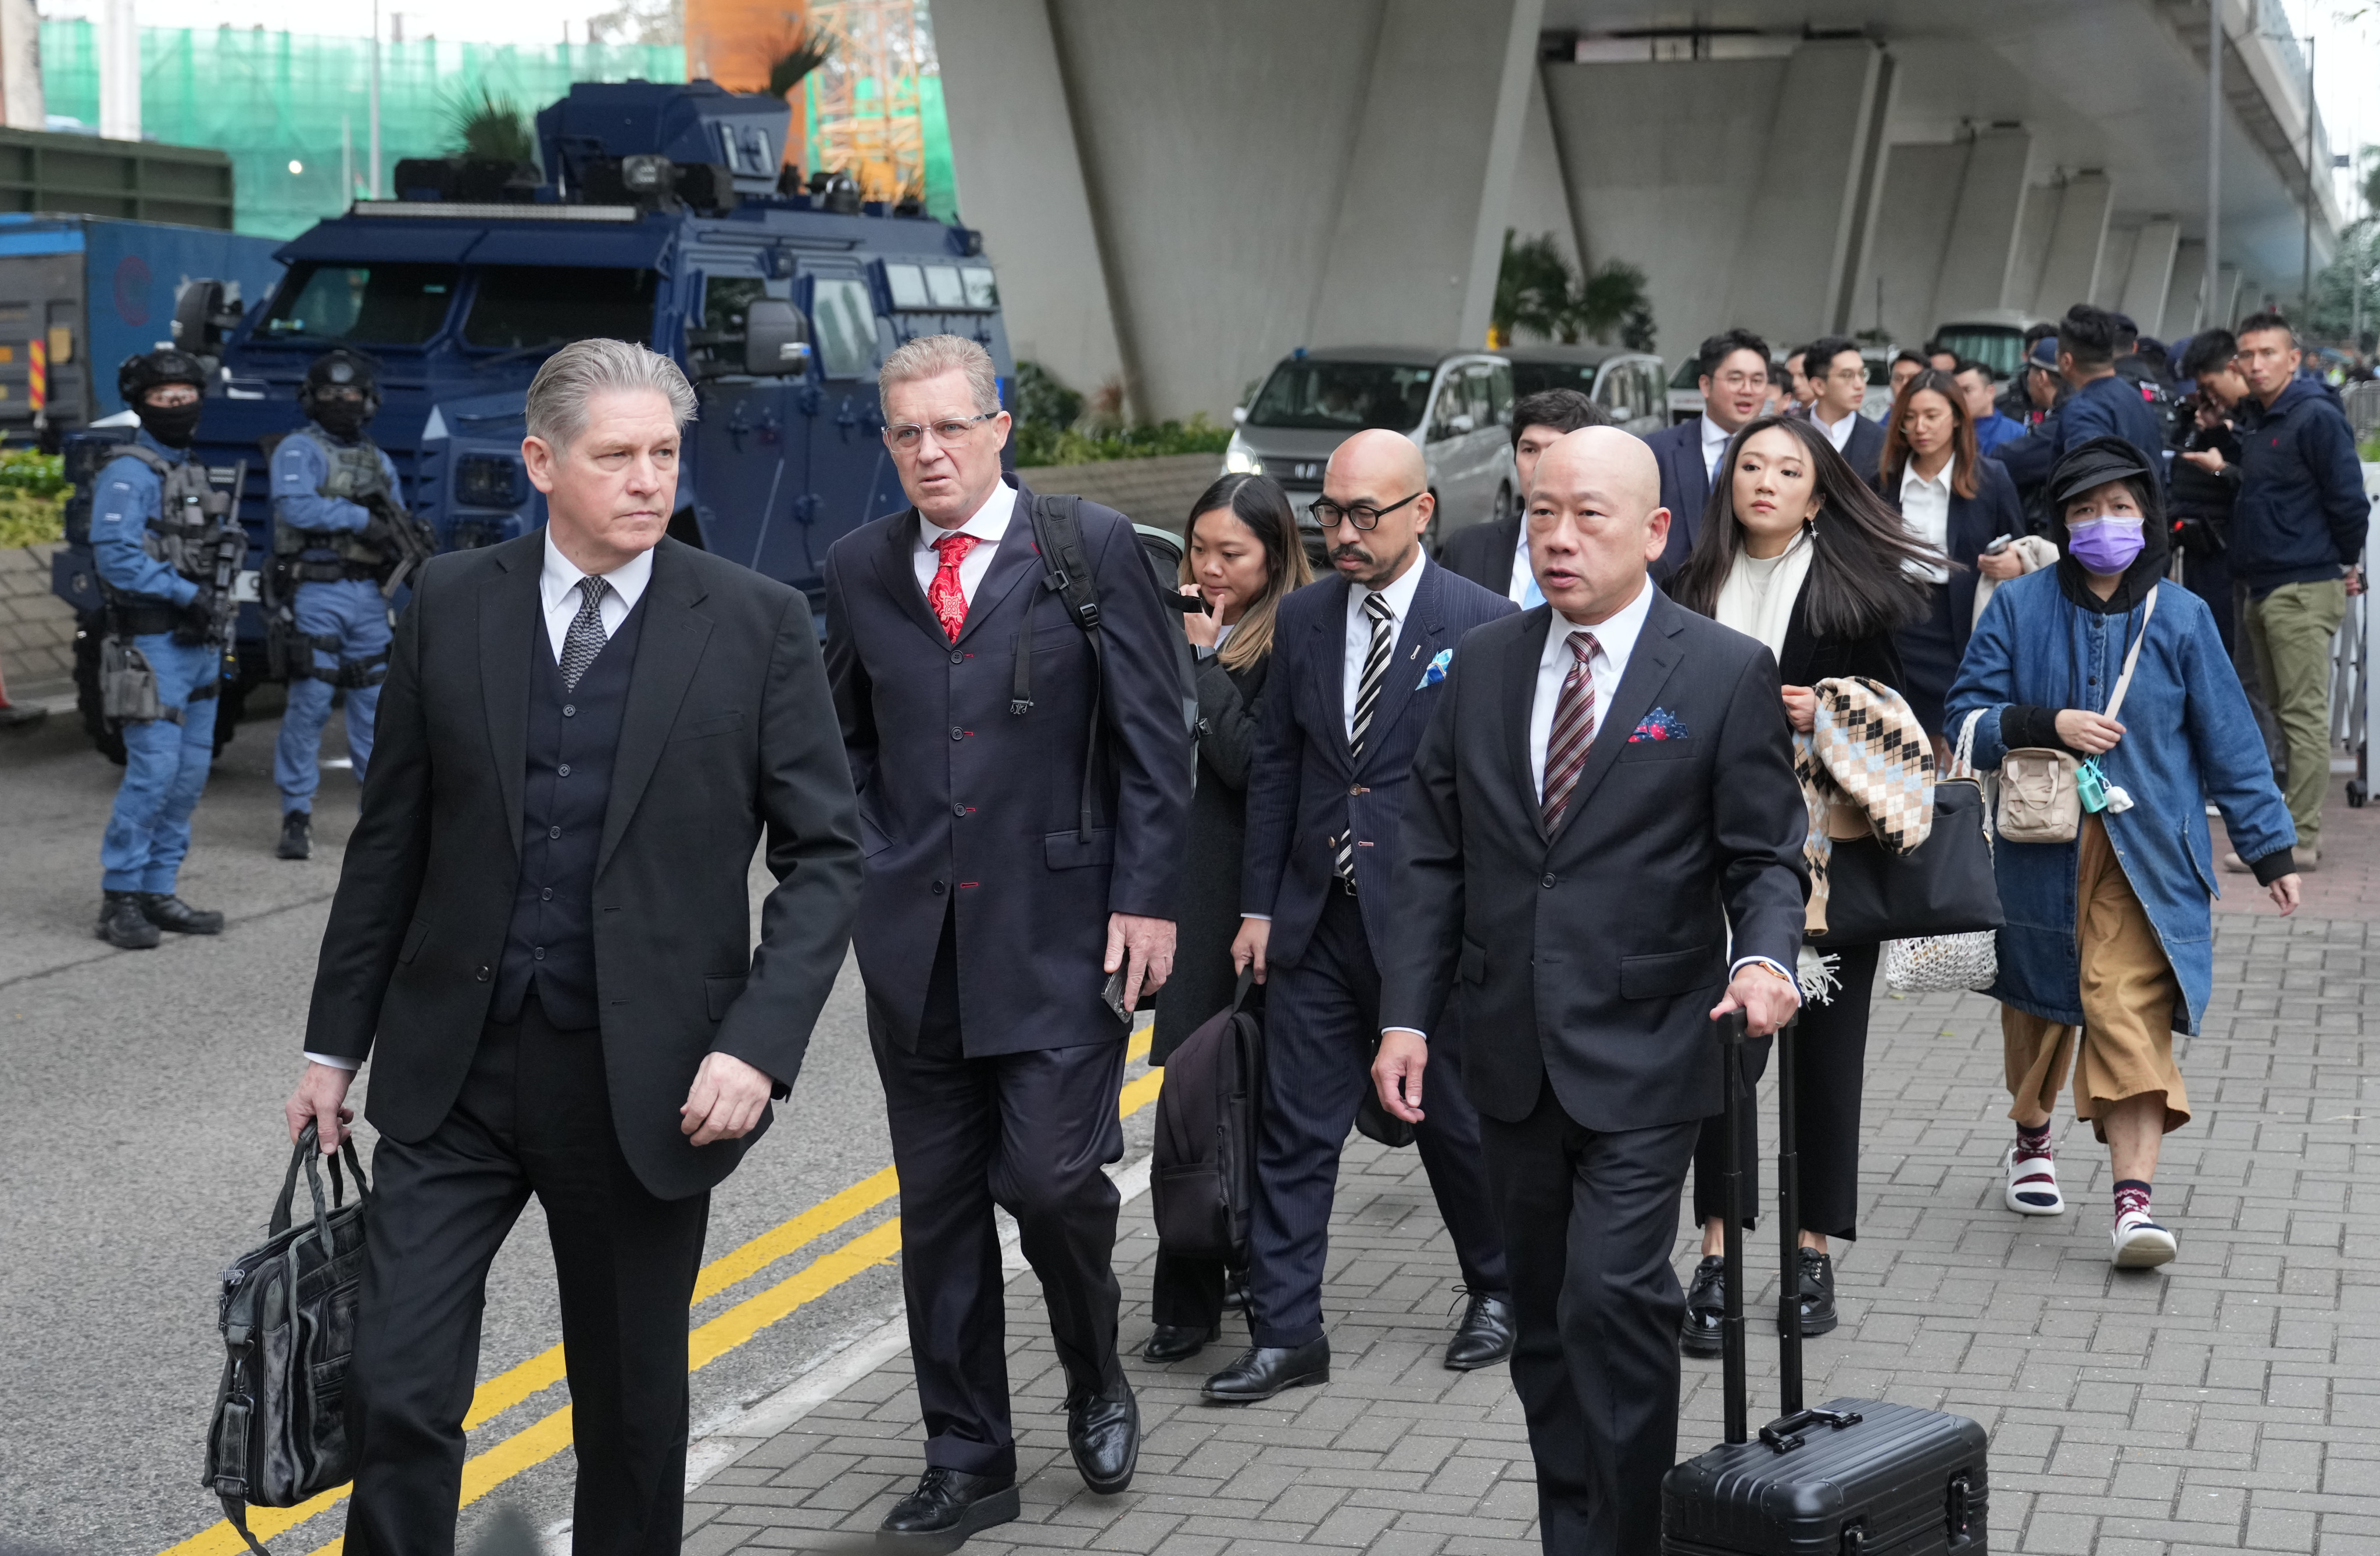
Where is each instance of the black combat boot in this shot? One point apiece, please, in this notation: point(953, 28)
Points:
point(168, 912)
point(123, 925)
point(297, 840)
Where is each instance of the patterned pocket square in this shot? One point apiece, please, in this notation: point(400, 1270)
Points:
point(1659, 725)
point(1437, 670)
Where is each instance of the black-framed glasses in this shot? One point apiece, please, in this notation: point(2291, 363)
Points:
point(907, 435)
point(1363, 515)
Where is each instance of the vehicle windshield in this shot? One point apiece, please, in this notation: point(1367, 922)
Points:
point(1998, 344)
point(1342, 396)
point(526, 305)
point(1689, 374)
point(381, 305)
point(1536, 377)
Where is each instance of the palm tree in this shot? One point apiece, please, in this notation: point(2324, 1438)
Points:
point(1533, 288)
point(489, 130)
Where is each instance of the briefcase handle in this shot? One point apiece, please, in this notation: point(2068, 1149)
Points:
point(305, 1153)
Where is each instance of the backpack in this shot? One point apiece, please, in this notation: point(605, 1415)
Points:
point(1203, 1180)
point(1066, 572)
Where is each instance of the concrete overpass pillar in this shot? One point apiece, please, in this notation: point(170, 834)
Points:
point(2070, 271)
point(2183, 296)
point(1946, 232)
point(1745, 188)
point(1254, 177)
point(1982, 251)
point(2151, 274)
point(2225, 312)
point(1540, 200)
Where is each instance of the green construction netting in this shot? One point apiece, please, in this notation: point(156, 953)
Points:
point(272, 98)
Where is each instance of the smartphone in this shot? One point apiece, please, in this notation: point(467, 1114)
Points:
point(2002, 544)
point(1114, 995)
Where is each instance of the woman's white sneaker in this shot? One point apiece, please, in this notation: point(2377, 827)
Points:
point(2031, 1186)
point(2142, 1244)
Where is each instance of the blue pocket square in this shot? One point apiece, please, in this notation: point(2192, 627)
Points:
point(1437, 670)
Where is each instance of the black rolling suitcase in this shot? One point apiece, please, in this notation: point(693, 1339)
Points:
point(1856, 1476)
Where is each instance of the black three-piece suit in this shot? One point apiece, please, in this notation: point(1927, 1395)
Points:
point(1587, 1046)
point(542, 926)
point(983, 922)
point(1328, 948)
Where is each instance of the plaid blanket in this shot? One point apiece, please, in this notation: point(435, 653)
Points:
point(1865, 750)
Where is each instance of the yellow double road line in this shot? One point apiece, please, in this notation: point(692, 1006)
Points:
point(542, 1439)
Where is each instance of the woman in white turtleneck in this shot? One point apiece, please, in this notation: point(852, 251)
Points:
point(1798, 551)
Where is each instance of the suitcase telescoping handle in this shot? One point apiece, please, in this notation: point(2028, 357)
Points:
point(1784, 1434)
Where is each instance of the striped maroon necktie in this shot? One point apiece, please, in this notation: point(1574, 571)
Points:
point(1574, 729)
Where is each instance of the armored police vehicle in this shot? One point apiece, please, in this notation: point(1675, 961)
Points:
point(660, 215)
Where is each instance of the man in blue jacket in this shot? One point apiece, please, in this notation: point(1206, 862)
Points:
point(2105, 404)
point(2297, 533)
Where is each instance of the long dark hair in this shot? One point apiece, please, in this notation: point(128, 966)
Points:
point(1258, 503)
point(1861, 553)
point(1962, 435)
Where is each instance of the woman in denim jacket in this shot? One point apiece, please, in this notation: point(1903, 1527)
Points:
point(2107, 950)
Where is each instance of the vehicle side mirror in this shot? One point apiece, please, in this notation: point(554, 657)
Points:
point(776, 339)
point(1463, 423)
point(1238, 416)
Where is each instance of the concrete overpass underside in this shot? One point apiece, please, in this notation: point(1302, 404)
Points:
point(1178, 192)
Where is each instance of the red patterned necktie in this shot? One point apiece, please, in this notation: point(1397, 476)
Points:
point(1574, 729)
point(943, 594)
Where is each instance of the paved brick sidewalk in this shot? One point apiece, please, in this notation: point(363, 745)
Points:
point(2227, 1402)
point(2347, 884)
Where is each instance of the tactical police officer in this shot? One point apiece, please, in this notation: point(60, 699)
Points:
point(167, 547)
point(336, 541)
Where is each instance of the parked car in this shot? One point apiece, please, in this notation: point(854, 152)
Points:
point(1627, 384)
point(1994, 335)
point(1455, 405)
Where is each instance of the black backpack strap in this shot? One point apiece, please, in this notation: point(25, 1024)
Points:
point(1066, 572)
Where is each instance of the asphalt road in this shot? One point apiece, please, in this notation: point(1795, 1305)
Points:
point(141, 1144)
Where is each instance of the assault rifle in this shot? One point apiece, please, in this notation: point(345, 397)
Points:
point(403, 534)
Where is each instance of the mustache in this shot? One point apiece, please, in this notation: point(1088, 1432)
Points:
point(1349, 552)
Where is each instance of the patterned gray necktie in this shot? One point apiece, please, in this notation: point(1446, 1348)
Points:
point(1368, 697)
point(586, 636)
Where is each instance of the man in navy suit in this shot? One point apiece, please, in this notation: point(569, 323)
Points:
point(1357, 663)
point(1840, 373)
point(1006, 873)
point(1735, 388)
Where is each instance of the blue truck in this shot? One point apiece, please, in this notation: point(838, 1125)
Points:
point(661, 215)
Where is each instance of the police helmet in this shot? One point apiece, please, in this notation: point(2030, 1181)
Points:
point(342, 368)
point(144, 372)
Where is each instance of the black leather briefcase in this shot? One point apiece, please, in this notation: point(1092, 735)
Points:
point(288, 1319)
point(1204, 1177)
point(1860, 1477)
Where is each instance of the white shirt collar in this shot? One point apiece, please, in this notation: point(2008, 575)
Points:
point(1940, 485)
point(560, 577)
point(988, 523)
point(1715, 438)
point(1615, 635)
point(1400, 593)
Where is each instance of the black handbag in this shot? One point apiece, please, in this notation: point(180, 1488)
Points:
point(1203, 1178)
point(289, 1318)
point(1944, 885)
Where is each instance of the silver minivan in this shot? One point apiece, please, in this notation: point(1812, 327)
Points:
point(1456, 406)
point(1630, 385)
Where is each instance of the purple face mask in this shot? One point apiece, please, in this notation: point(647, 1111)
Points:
point(2106, 546)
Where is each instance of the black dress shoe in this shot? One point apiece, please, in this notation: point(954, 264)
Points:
point(953, 1504)
point(1700, 1334)
point(123, 925)
point(1486, 1336)
point(1235, 1290)
point(295, 842)
point(1103, 1430)
point(168, 912)
point(1263, 1371)
point(1816, 1293)
point(1172, 1342)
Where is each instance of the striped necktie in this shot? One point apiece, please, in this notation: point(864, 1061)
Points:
point(585, 637)
point(1574, 729)
point(1368, 697)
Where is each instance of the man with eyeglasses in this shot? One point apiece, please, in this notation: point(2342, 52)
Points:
point(1734, 382)
point(1840, 373)
point(1358, 662)
point(1007, 877)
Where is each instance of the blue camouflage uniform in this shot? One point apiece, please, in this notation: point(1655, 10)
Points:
point(349, 614)
point(165, 760)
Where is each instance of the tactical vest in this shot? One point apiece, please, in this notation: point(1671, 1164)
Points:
point(355, 475)
point(190, 519)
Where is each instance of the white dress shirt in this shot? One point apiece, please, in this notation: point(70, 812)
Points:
point(987, 523)
point(1715, 438)
point(1399, 596)
point(557, 588)
point(1925, 511)
point(1522, 591)
point(1838, 433)
point(1615, 639)
point(559, 598)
